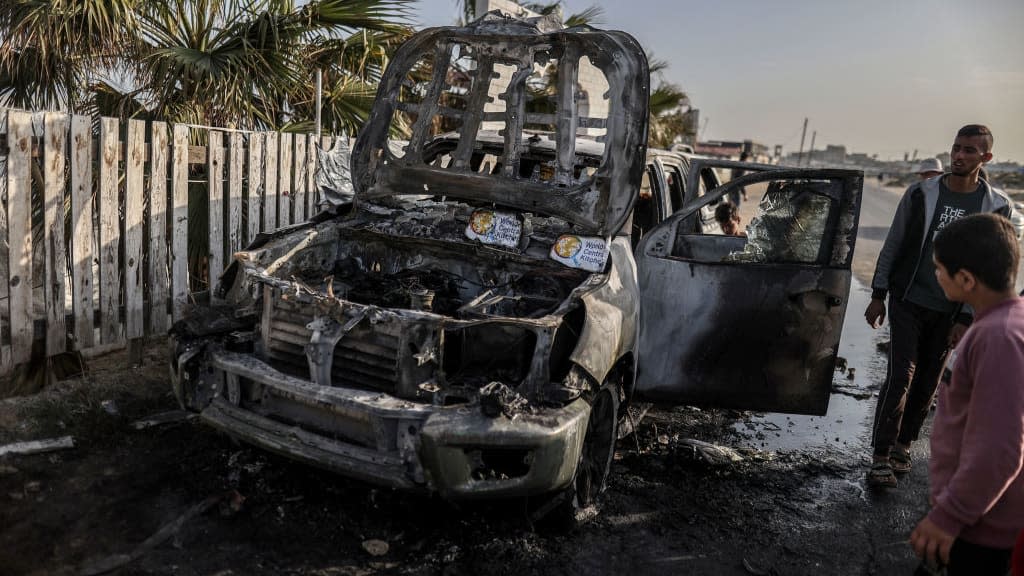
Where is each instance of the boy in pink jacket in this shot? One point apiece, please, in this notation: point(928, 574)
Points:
point(977, 440)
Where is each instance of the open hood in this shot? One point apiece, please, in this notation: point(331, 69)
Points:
point(518, 113)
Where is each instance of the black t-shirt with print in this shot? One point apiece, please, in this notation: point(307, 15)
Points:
point(925, 290)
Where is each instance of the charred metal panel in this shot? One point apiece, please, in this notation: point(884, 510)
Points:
point(751, 323)
point(713, 339)
point(599, 204)
point(610, 330)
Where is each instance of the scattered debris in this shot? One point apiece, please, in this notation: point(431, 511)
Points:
point(38, 446)
point(850, 373)
point(116, 561)
point(712, 453)
point(232, 503)
point(757, 571)
point(840, 363)
point(497, 398)
point(856, 393)
point(375, 547)
point(663, 439)
point(110, 407)
point(34, 486)
point(163, 418)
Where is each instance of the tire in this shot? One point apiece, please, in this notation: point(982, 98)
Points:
point(567, 508)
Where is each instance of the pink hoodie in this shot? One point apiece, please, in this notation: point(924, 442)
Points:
point(977, 437)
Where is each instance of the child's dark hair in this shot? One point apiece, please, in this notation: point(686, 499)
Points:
point(983, 244)
point(726, 211)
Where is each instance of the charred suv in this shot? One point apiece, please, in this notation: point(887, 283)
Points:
point(470, 323)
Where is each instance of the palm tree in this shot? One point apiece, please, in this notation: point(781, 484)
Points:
point(240, 63)
point(668, 108)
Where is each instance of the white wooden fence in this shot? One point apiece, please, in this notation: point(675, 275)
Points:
point(95, 217)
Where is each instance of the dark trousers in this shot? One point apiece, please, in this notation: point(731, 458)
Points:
point(917, 354)
point(966, 559)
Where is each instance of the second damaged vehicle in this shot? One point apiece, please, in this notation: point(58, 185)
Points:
point(476, 321)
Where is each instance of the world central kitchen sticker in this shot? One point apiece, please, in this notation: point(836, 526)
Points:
point(494, 228)
point(583, 252)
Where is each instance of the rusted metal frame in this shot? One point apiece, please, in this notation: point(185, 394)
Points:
point(471, 122)
point(430, 103)
point(327, 332)
point(342, 399)
point(566, 112)
point(362, 463)
point(513, 192)
point(515, 113)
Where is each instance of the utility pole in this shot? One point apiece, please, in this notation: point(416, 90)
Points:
point(810, 153)
point(800, 154)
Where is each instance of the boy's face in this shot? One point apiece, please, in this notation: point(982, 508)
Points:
point(731, 227)
point(952, 286)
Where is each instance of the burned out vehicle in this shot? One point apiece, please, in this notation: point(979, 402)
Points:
point(475, 322)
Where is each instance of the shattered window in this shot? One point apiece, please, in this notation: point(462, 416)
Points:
point(790, 226)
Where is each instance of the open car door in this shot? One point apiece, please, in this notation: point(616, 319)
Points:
point(751, 322)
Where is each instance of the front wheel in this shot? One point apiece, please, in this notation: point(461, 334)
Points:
point(568, 507)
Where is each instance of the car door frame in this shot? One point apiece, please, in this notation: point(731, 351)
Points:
point(703, 340)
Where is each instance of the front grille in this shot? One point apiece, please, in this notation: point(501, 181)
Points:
point(366, 357)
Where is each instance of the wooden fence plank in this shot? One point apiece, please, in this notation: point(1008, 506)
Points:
point(235, 171)
point(326, 142)
point(215, 178)
point(55, 129)
point(270, 183)
point(5, 317)
point(19, 226)
point(158, 277)
point(311, 207)
point(284, 180)
point(82, 231)
point(255, 187)
point(110, 282)
point(299, 188)
point(179, 223)
point(134, 199)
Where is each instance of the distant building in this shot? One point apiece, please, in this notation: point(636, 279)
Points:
point(833, 154)
point(732, 149)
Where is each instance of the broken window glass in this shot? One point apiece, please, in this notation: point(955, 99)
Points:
point(790, 227)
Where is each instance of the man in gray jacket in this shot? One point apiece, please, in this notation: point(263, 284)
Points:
point(924, 325)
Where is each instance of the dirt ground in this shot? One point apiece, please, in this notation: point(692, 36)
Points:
point(114, 498)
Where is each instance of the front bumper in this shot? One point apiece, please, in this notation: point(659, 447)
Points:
point(456, 451)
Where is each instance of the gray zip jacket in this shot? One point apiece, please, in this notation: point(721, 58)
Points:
point(900, 257)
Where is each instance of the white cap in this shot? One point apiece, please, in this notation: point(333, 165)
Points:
point(929, 165)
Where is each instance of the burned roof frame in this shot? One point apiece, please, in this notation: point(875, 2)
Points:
point(599, 204)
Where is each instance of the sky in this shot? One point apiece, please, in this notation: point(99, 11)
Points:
point(880, 77)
